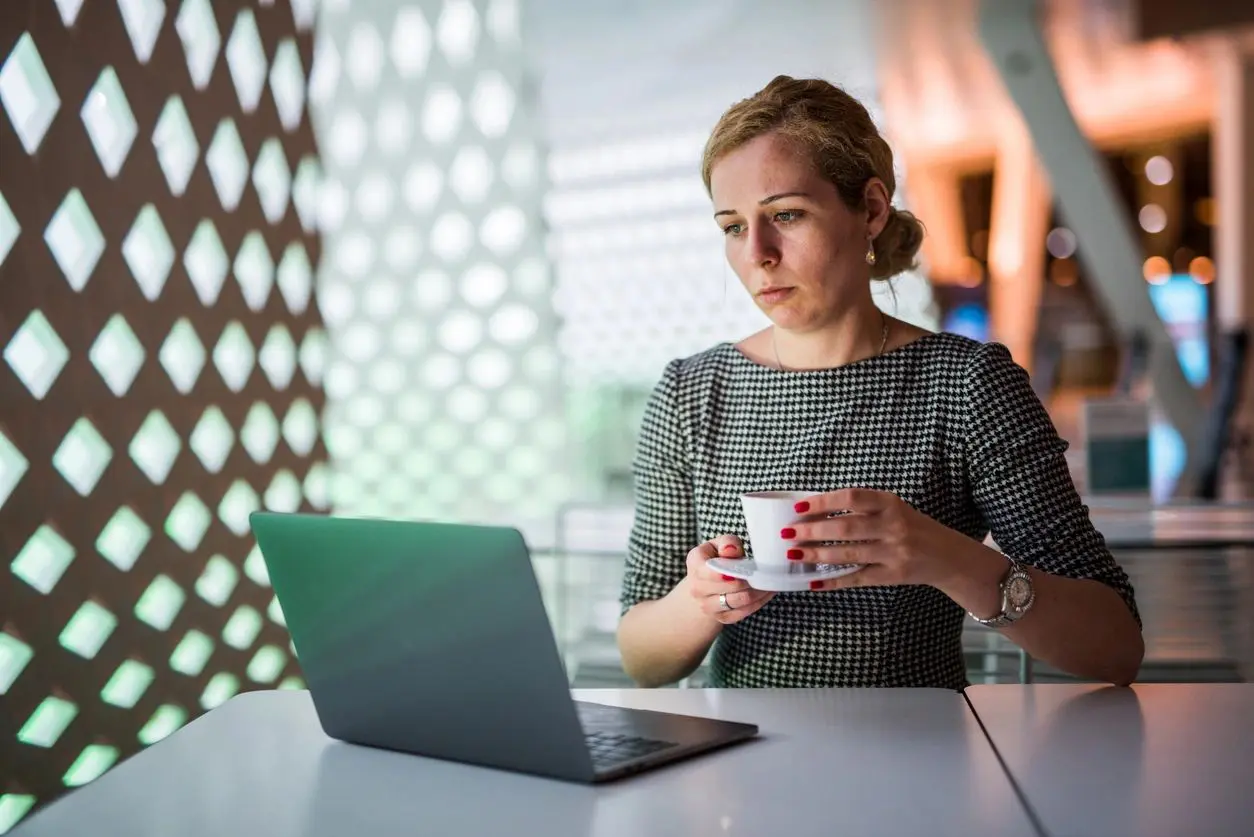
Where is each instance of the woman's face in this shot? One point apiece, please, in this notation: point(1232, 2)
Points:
point(798, 250)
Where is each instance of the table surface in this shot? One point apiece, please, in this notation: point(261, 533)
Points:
point(1175, 526)
point(1156, 759)
point(848, 761)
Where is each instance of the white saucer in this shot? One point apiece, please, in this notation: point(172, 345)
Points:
point(797, 575)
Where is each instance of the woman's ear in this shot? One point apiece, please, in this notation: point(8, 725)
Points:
point(878, 206)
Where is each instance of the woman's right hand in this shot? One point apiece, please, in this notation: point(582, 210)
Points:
point(707, 586)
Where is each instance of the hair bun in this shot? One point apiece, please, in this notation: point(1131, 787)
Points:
point(897, 245)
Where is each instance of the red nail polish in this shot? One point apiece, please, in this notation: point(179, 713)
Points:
point(788, 533)
point(816, 585)
point(802, 507)
point(794, 555)
point(731, 547)
point(729, 578)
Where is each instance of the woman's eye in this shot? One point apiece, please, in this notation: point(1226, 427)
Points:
point(732, 229)
point(787, 215)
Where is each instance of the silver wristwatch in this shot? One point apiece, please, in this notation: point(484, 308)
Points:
point(1017, 596)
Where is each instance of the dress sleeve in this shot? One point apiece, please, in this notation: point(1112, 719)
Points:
point(1020, 480)
point(664, 527)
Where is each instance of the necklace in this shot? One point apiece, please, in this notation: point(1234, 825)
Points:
point(883, 343)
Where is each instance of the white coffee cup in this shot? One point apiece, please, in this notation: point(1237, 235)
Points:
point(766, 513)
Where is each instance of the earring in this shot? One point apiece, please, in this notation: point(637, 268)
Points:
point(870, 252)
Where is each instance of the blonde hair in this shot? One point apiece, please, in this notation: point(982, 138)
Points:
point(835, 131)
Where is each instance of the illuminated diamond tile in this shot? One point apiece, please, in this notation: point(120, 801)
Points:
point(441, 113)
point(402, 248)
point(212, 439)
point(503, 230)
point(14, 806)
point(483, 284)
point(206, 262)
point(254, 270)
point(182, 356)
point(317, 488)
point(217, 581)
point(221, 687)
point(143, 20)
point(123, 539)
point(241, 630)
point(255, 568)
point(287, 84)
point(452, 237)
point(295, 278)
point(88, 629)
point(374, 196)
point(12, 466)
point(490, 369)
point(75, 239)
point(191, 654)
point(470, 175)
point(364, 53)
point(457, 31)
point(278, 357)
point(267, 664)
point(188, 521)
point(313, 355)
point(127, 685)
point(348, 137)
point(228, 164)
point(36, 354)
point(304, 12)
point(237, 504)
point(198, 30)
point(117, 355)
point(502, 21)
point(273, 180)
point(69, 10)
point(300, 427)
point(233, 355)
point(410, 45)
point(163, 723)
point(294, 683)
point(82, 456)
point(110, 122)
point(155, 447)
point(14, 655)
point(148, 252)
point(284, 493)
point(513, 323)
point(90, 764)
point(324, 76)
point(422, 186)
point(246, 58)
point(492, 104)
point(47, 722)
point(43, 560)
point(160, 603)
point(9, 229)
point(305, 193)
point(176, 146)
point(275, 612)
point(27, 93)
point(260, 433)
point(393, 126)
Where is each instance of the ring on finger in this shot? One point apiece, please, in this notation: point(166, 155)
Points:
point(722, 599)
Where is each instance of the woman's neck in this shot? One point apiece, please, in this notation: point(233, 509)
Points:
point(856, 335)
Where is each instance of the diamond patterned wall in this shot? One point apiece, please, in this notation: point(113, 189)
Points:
point(444, 386)
point(162, 366)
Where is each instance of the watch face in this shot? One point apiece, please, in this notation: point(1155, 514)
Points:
point(1019, 592)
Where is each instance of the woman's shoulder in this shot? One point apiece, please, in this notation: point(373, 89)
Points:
point(702, 368)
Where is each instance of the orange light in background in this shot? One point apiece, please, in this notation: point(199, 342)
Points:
point(1156, 270)
point(1064, 272)
point(1204, 211)
point(1203, 270)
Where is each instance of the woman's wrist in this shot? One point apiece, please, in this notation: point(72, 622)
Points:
point(972, 578)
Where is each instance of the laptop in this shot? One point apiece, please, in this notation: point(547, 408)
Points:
point(433, 639)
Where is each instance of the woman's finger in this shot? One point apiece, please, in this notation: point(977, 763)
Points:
point(847, 527)
point(841, 553)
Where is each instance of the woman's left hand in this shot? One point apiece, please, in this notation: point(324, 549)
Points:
point(895, 543)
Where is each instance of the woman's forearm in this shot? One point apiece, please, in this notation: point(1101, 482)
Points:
point(664, 640)
point(1080, 626)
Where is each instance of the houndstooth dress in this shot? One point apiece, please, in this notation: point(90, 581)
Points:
point(948, 424)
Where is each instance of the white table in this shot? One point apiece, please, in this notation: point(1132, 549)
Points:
point(853, 762)
point(1156, 759)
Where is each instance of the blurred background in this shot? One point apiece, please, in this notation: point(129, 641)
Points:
point(427, 259)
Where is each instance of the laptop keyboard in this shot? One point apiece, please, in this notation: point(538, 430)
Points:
point(613, 748)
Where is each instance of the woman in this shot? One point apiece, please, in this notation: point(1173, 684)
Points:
point(927, 441)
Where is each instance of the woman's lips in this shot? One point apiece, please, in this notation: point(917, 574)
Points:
point(773, 295)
